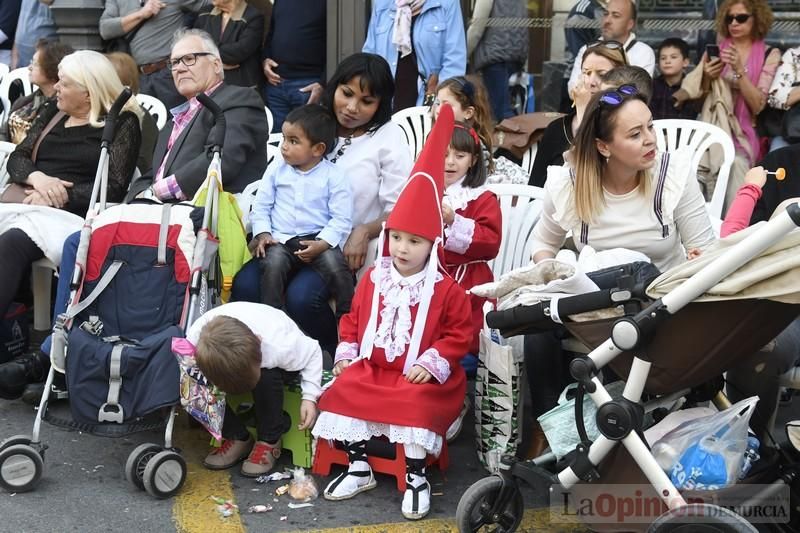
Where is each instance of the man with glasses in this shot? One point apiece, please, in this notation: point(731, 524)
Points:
point(181, 157)
point(619, 20)
point(147, 26)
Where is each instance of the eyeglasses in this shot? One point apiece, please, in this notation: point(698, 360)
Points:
point(741, 18)
point(189, 60)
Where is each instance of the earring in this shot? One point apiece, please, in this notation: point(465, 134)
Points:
point(607, 158)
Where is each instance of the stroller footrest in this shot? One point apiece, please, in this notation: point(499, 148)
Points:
point(111, 413)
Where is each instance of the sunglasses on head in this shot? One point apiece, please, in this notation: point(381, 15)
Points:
point(611, 45)
point(740, 18)
point(614, 98)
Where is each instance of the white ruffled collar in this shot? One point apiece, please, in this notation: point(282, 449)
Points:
point(400, 294)
point(457, 195)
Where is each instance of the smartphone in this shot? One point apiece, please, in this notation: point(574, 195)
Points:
point(712, 51)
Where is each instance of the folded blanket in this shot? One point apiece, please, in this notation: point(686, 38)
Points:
point(46, 226)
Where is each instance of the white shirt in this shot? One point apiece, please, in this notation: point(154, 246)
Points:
point(283, 345)
point(629, 220)
point(639, 55)
point(377, 165)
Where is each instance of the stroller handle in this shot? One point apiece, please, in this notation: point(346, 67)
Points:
point(526, 315)
point(113, 114)
point(219, 119)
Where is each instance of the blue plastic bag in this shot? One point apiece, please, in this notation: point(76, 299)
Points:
point(707, 453)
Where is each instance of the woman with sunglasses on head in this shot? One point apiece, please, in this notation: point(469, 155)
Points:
point(598, 59)
point(618, 191)
point(747, 66)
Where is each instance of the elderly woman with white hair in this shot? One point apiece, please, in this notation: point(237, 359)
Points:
point(52, 172)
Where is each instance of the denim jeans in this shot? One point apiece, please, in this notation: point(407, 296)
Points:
point(268, 409)
point(495, 77)
point(284, 97)
point(306, 301)
point(777, 142)
point(280, 264)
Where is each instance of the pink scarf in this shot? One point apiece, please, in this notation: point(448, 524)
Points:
point(753, 68)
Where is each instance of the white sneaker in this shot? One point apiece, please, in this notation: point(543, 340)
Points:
point(417, 498)
point(357, 479)
point(455, 428)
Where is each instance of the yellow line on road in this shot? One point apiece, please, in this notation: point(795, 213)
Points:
point(533, 520)
point(193, 511)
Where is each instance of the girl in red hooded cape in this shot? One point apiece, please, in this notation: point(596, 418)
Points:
point(397, 365)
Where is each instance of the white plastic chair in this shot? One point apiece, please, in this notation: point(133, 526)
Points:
point(270, 120)
point(529, 157)
point(5, 86)
point(416, 122)
point(41, 285)
point(675, 134)
point(155, 107)
point(521, 206)
point(5, 150)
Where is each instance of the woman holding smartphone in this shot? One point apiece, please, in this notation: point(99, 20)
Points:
point(747, 66)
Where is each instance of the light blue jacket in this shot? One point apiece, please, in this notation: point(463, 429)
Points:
point(438, 39)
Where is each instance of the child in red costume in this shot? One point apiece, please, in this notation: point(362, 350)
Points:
point(472, 219)
point(397, 365)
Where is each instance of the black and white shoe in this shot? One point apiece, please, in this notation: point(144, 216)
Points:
point(354, 481)
point(417, 498)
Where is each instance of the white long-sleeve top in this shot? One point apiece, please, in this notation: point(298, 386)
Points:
point(631, 220)
point(283, 345)
point(786, 76)
point(377, 166)
point(639, 54)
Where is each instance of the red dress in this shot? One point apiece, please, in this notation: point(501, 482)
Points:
point(471, 241)
point(375, 389)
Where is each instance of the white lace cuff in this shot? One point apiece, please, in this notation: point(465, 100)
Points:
point(346, 351)
point(434, 363)
point(459, 234)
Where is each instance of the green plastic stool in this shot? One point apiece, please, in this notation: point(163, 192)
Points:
point(296, 441)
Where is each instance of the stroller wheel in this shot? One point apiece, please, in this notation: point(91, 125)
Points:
point(474, 508)
point(13, 441)
point(699, 518)
point(164, 474)
point(137, 461)
point(21, 468)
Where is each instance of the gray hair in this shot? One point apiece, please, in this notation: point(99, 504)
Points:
point(208, 43)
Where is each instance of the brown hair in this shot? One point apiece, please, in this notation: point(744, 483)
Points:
point(760, 10)
point(471, 92)
point(630, 75)
point(615, 55)
point(126, 69)
point(227, 353)
point(463, 141)
point(51, 52)
point(599, 123)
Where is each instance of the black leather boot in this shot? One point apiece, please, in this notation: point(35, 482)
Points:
point(16, 374)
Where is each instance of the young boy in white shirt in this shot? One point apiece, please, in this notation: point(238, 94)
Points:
point(248, 347)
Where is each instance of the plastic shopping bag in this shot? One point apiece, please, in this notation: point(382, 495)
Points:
point(707, 453)
point(204, 401)
point(497, 400)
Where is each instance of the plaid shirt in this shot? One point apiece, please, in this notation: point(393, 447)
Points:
point(167, 188)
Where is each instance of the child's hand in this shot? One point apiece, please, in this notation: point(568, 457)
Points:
point(258, 246)
point(418, 375)
point(756, 176)
point(680, 96)
point(339, 367)
point(693, 253)
point(312, 250)
point(308, 414)
point(448, 215)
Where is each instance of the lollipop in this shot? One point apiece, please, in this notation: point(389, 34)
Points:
point(779, 174)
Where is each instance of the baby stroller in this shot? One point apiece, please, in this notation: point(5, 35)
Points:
point(141, 277)
point(667, 348)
